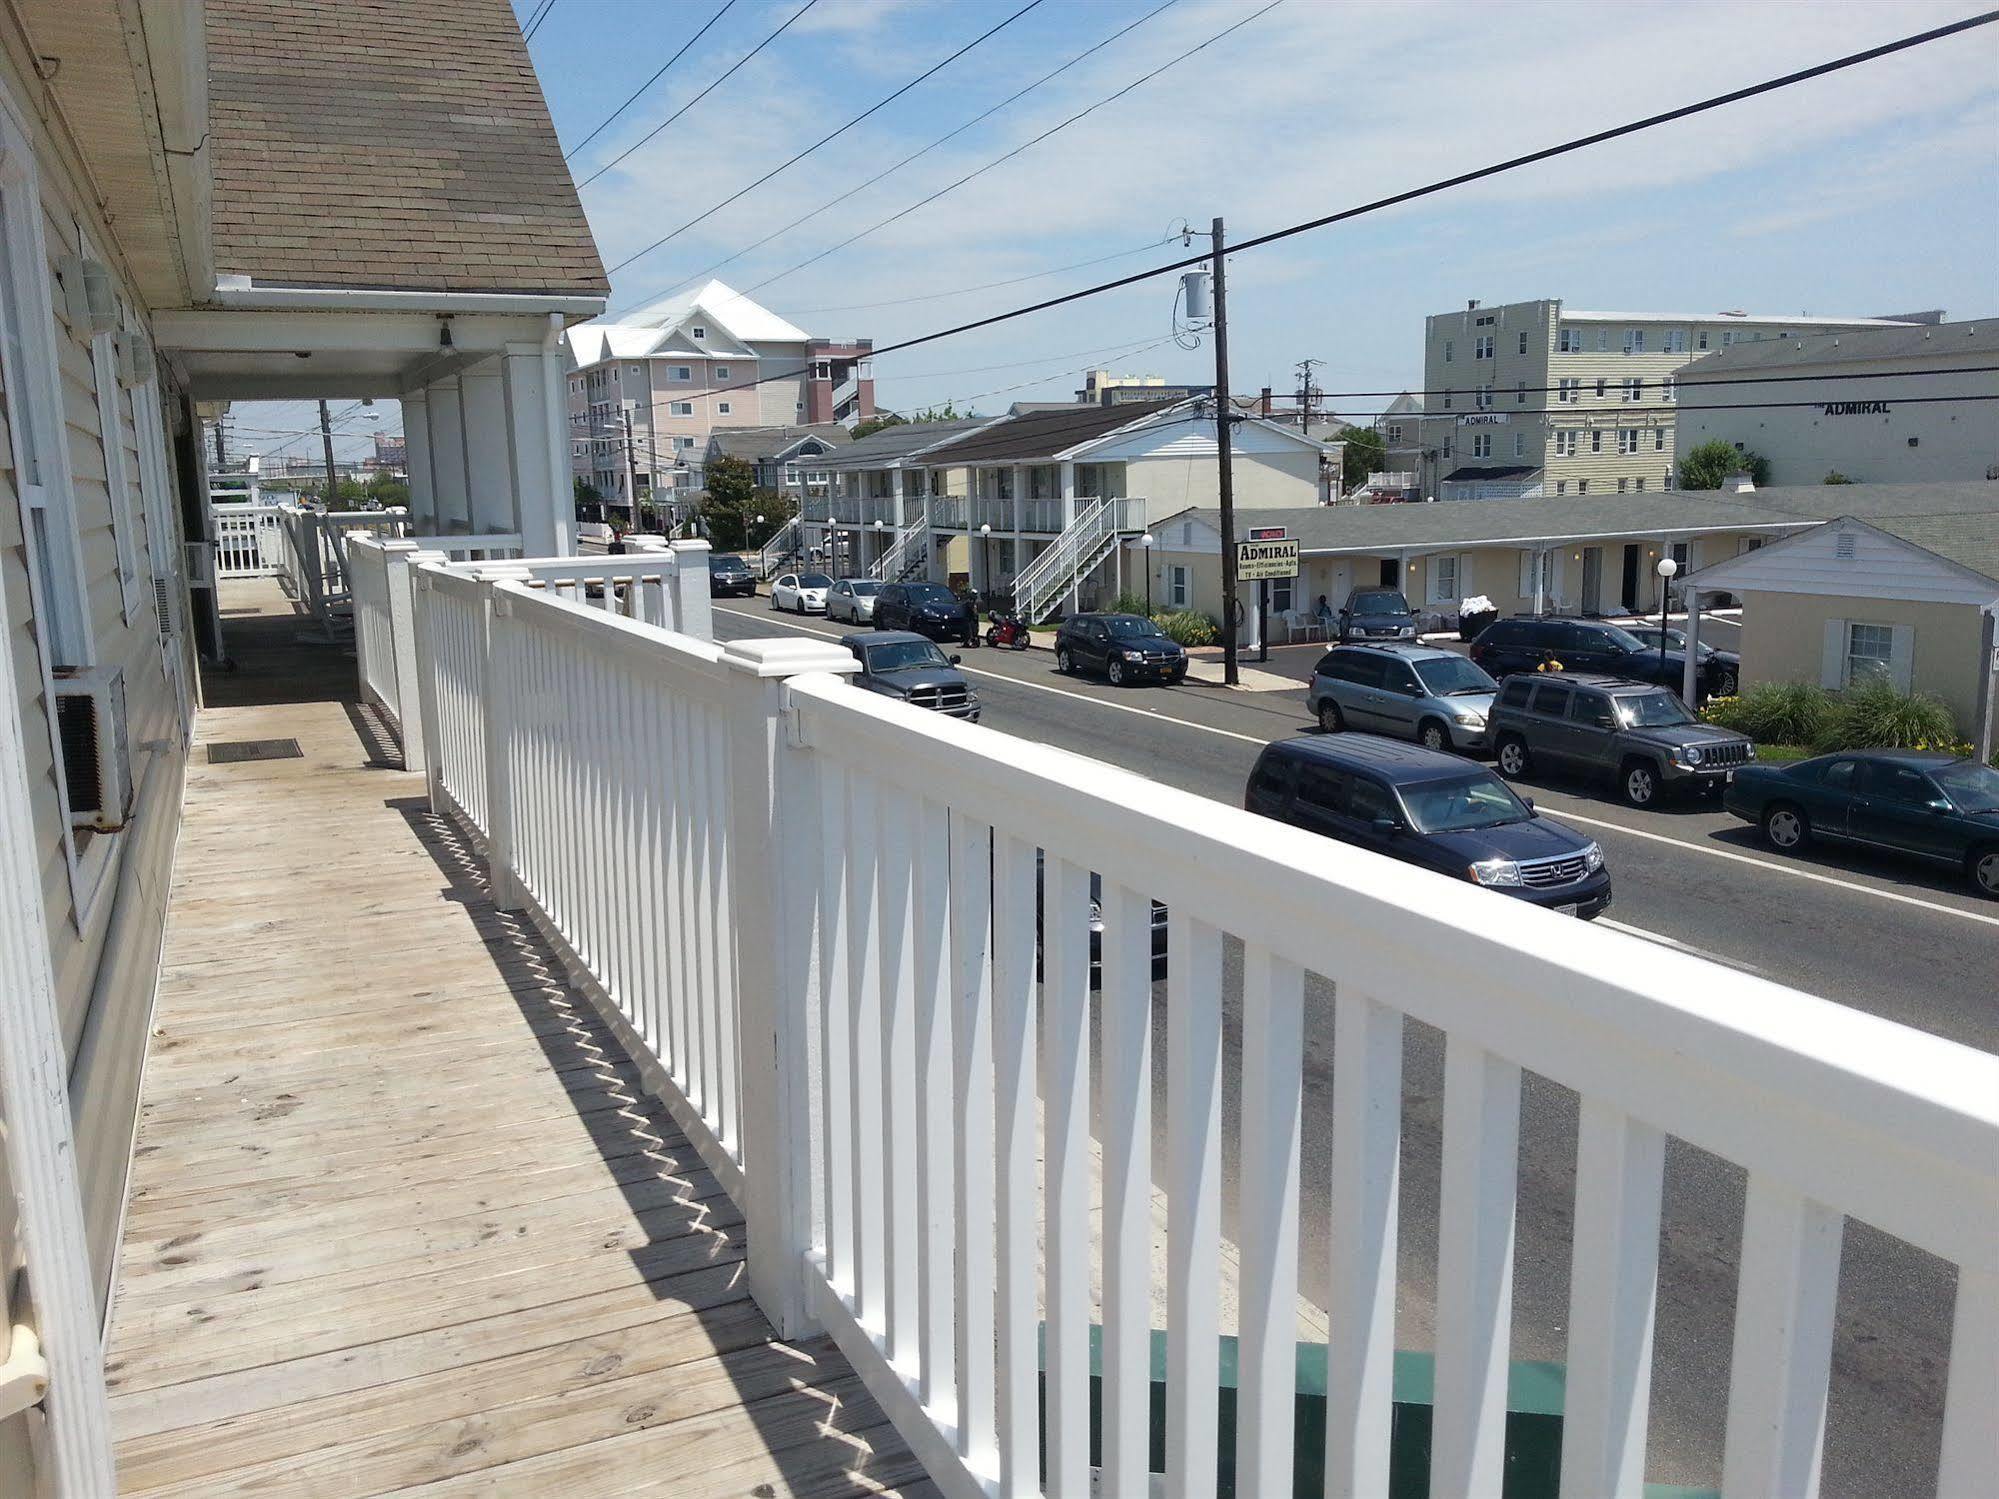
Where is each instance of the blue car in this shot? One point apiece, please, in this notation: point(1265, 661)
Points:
point(1921, 805)
point(1430, 809)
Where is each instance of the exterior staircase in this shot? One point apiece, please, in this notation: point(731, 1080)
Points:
point(784, 548)
point(907, 556)
point(1041, 586)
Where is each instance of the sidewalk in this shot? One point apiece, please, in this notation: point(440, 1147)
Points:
point(1248, 678)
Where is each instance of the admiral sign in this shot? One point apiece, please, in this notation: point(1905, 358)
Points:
point(1856, 408)
point(1262, 559)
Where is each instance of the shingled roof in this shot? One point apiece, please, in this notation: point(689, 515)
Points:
point(1036, 436)
point(388, 144)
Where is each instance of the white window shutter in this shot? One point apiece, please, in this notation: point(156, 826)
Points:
point(1526, 575)
point(1464, 576)
point(1832, 658)
point(1901, 655)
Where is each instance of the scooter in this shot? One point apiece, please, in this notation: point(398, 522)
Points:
point(1008, 630)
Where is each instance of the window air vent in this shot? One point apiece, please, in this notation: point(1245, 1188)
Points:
point(96, 753)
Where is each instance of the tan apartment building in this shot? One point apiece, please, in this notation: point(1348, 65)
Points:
point(1544, 399)
point(648, 392)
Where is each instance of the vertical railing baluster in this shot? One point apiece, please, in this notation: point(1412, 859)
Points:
point(972, 1047)
point(836, 1097)
point(1474, 1270)
point(1065, 998)
point(935, 1105)
point(1018, 1381)
point(896, 964)
point(1366, 1181)
point(1273, 1005)
point(1125, 1003)
point(728, 1105)
point(864, 1051)
point(702, 1003)
point(1782, 1356)
point(679, 934)
point(1194, 1204)
point(1613, 1281)
point(1967, 1460)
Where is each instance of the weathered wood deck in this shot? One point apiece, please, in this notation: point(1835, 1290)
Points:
point(401, 1219)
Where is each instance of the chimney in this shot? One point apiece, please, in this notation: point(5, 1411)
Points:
point(1472, 305)
point(1738, 483)
point(1263, 402)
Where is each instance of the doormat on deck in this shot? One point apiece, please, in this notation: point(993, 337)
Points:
point(230, 751)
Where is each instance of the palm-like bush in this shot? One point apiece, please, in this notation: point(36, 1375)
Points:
point(1877, 716)
point(1189, 628)
point(1774, 712)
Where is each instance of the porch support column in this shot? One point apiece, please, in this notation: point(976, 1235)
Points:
point(898, 487)
point(1539, 568)
point(447, 456)
point(1690, 672)
point(416, 455)
point(489, 464)
point(1066, 473)
point(538, 437)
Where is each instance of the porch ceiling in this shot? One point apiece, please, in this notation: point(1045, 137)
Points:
point(243, 354)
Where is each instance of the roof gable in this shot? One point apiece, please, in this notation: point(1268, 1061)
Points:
point(1040, 436)
point(1852, 558)
point(715, 305)
point(1185, 432)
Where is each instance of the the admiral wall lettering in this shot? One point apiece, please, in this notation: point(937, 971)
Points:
point(1856, 408)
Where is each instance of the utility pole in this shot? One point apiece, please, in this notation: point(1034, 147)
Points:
point(1224, 418)
point(326, 438)
point(1305, 394)
point(631, 471)
point(221, 460)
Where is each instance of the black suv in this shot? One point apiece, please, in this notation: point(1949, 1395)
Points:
point(1639, 736)
point(912, 670)
point(1433, 810)
point(1124, 647)
point(929, 609)
point(1530, 643)
point(1376, 614)
point(730, 575)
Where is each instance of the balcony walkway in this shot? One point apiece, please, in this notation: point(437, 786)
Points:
point(401, 1220)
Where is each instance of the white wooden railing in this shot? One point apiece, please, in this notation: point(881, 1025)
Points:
point(249, 539)
point(909, 552)
point(666, 585)
point(1040, 587)
point(850, 943)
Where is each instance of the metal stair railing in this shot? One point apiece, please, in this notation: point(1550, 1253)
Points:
point(910, 550)
point(783, 545)
point(1039, 586)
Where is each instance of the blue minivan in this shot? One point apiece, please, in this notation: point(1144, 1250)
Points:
point(1433, 810)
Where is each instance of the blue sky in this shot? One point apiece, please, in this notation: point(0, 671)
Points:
point(1874, 191)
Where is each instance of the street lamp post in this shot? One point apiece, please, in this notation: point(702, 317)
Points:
point(1667, 567)
point(986, 556)
point(1145, 546)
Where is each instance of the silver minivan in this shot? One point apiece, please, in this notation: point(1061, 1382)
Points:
point(1435, 697)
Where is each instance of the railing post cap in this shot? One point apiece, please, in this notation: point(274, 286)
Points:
point(391, 544)
point(691, 546)
point(786, 657)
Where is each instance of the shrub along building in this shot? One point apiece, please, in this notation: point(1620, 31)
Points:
point(1538, 398)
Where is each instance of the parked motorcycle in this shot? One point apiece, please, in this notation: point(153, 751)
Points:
point(1008, 630)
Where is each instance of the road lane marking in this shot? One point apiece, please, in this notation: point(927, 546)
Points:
point(1776, 868)
point(1678, 946)
point(1770, 865)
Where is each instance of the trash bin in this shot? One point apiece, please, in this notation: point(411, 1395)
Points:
point(1474, 614)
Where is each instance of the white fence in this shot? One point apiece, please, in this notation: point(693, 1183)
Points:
point(645, 583)
point(249, 540)
point(834, 928)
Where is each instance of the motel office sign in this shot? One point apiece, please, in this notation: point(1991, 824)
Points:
point(1267, 555)
point(1855, 408)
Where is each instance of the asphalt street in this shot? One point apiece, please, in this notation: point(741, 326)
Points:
point(1876, 935)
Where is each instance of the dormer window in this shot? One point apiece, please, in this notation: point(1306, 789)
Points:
point(698, 331)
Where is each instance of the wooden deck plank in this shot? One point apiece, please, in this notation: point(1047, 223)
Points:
point(403, 1218)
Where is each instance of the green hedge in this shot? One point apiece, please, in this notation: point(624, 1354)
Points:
point(1875, 716)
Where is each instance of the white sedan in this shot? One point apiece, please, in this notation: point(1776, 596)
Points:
point(803, 593)
point(853, 599)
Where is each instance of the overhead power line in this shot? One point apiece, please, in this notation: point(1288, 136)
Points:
point(661, 73)
point(714, 84)
point(1546, 153)
point(535, 20)
point(888, 171)
point(833, 135)
point(961, 291)
point(1023, 146)
point(1578, 143)
point(1704, 381)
